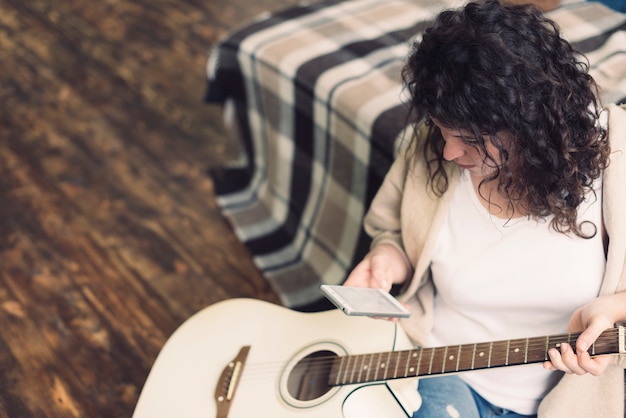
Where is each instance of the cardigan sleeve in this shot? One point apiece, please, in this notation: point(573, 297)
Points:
point(403, 203)
point(383, 220)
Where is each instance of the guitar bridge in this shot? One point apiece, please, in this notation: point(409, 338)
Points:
point(228, 381)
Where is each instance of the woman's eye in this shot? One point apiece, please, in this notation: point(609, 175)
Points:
point(470, 140)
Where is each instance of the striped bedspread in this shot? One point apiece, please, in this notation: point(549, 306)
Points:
point(314, 95)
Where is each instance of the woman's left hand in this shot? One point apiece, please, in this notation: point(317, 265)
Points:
point(592, 319)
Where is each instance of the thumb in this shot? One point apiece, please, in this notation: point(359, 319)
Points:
point(380, 271)
point(591, 334)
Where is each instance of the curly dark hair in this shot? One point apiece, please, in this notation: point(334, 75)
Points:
point(492, 67)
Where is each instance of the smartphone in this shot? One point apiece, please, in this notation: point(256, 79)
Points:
point(365, 301)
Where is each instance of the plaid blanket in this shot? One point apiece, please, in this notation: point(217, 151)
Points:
point(316, 100)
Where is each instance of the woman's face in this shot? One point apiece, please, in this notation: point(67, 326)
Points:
point(462, 148)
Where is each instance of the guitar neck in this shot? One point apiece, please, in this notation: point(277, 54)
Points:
point(363, 368)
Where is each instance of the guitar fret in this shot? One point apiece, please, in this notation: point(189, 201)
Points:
point(408, 362)
point(516, 352)
point(537, 350)
point(356, 368)
point(490, 351)
point(334, 371)
point(386, 371)
point(382, 365)
point(361, 367)
point(355, 374)
point(482, 358)
point(353, 368)
point(418, 365)
point(419, 362)
point(369, 367)
point(508, 347)
point(439, 360)
point(473, 357)
point(526, 352)
point(398, 357)
point(339, 371)
point(342, 361)
point(464, 357)
point(376, 363)
point(432, 356)
point(364, 369)
point(348, 368)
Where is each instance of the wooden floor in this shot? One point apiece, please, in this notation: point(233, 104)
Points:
point(109, 232)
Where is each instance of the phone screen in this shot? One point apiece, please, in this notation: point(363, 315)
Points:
point(364, 301)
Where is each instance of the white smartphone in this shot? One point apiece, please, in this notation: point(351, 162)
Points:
point(365, 301)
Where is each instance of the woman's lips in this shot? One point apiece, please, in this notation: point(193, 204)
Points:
point(467, 167)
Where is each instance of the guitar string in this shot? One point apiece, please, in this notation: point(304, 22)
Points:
point(254, 370)
point(604, 339)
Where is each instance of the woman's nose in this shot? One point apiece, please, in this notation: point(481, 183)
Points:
point(453, 149)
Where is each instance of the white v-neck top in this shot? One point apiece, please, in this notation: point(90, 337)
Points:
point(499, 279)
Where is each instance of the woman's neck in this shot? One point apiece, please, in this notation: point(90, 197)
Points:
point(491, 198)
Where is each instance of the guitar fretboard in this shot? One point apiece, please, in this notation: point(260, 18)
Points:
point(375, 367)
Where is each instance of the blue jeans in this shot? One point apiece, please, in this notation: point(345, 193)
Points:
point(451, 397)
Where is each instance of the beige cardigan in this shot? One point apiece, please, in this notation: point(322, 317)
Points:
point(405, 203)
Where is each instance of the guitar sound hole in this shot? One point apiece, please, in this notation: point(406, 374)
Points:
point(309, 379)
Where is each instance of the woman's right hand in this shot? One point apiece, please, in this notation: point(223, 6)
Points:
point(382, 267)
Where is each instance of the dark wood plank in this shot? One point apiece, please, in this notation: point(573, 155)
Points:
point(109, 232)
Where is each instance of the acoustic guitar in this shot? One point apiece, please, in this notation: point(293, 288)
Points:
point(244, 358)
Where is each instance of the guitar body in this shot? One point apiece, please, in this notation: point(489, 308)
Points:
point(187, 376)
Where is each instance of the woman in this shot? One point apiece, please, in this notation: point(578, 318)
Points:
point(496, 220)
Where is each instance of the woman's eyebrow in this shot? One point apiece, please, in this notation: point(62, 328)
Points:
point(464, 134)
point(457, 133)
